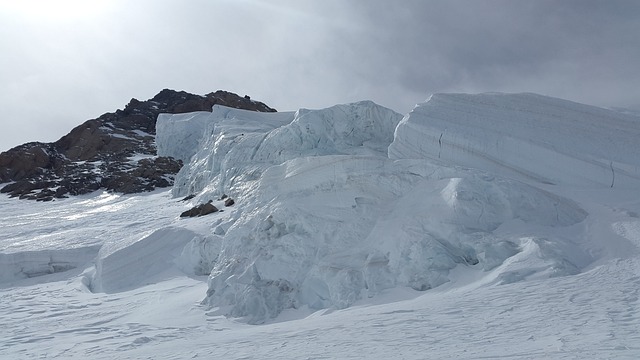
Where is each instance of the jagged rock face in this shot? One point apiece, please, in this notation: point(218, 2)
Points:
point(115, 151)
point(26, 161)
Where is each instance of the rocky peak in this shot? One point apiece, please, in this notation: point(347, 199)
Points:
point(116, 151)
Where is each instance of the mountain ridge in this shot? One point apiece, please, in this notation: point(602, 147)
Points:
point(115, 151)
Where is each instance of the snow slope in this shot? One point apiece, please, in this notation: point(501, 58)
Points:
point(349, 238)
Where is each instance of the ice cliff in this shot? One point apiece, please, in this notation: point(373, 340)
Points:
point(236, 146)
point(339, 204)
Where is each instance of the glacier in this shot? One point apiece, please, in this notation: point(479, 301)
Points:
point(339, 204)
point(487, 225)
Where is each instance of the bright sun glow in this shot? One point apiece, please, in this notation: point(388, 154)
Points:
point(54, 10)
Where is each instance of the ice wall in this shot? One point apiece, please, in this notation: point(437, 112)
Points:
point(178, 135)
point(524, 136)
point(239, 145)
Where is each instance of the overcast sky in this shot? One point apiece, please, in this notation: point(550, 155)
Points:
point(66, 61)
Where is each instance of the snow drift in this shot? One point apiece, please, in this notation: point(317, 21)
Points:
point(119, 265)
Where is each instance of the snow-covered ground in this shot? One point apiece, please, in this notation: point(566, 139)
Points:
point(503, 241)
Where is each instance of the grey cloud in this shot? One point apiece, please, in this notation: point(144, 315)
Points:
point(304, 53)
point(495, 45)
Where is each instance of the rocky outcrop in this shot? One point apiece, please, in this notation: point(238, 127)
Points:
point(115, 152)
point(145, 175)
point(27, 160)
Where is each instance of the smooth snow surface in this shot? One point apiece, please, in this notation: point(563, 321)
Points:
point(340, 250)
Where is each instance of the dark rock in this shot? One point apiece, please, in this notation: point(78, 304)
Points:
point(21, 186)
point(26, 161)
point(191, 212)
point(97, 154)
point(200, 210)
point(207, 208)
point(188, 197)
point(229, 202)
point(60, 192)
point(145, 175)
point(27, 197)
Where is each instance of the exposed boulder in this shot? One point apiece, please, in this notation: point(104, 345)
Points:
point(207, 208)
point(200, 210)
point(229, 202)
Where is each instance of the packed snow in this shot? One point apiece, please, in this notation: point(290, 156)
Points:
point(476, 226)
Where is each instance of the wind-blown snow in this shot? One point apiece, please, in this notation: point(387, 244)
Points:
point(524, 136)
point(349, 238)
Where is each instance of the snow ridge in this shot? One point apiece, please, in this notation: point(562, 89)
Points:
point(526, 136)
